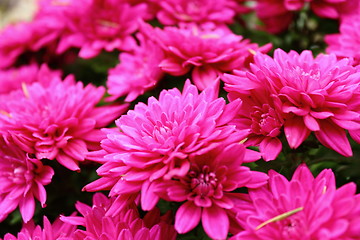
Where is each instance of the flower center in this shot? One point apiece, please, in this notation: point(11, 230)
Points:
point(203, 182)
point(265, 121)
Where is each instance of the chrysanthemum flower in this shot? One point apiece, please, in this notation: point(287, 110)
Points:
point(41, 33)
point(97, 25)
point(258, 113)
point(57, 119)
point(58, 230)
point(207, 189)
point(345, 43)
point(172, 12)
point(278, 14)
point(153, 141)
point(319, 95)
point(207, 51)
point(22, 180)
point(137, 72)
point(303, 208)
point(124, 226)
point(13, 78)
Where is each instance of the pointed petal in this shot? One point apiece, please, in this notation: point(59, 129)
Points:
point(295, 131)
point(334, 137)
point(215, 222)
point(187, 217)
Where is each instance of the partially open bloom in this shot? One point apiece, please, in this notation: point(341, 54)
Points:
point(96, 25)
point(346, 43)
point(22, 180)
point(153, 141)
point(57, 230)
point(124, 226)
point(258, 113)
point(56, 119)
point(137, 72)
point(207, 189)
point(319, 95)
point(172, 12)
point(207, 51)
point(304, 208)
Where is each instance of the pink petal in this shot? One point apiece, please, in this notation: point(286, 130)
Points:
point(295, 131)
point(334, 137)
point(187, 217)
point(270, 148)
point(27, 207)
point(204, 77)
point(148, 197)
point(311, 123)
point(215, 222)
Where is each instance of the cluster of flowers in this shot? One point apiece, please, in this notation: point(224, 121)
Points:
point(189, 147)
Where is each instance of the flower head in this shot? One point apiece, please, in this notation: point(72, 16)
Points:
point(209, 51)
point(95, 25)
point(57, 230)
point(278, 14)
point(57, 119)
point(22, 180)
point(172, 12)
point(319, 95)
point(207, 189)
point(346, 44)
point(303, 208)
point(125, 225)
point(153, 141)
point(258, 113)
point(137, 71)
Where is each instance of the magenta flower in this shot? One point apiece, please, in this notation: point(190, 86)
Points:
point(42, 33)
point(207, 189)
point(22, 180)
point(58, 230)
point(153, 142)
point(137, 72)
point(57, 119)
point(125, 225)
point(345, 43)
point(96, 25)
point(172, 12)
point(278, 14)
point(257, 113)
point(303, 208)
point(209, 51)
point(13, 78)
point(319, 95)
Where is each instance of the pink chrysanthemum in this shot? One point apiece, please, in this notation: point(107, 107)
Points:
point(207, 51)
point(124, 226)
point(278, 14)
point(319, 95)
point(95, 25)
point(346, 43)
point(258, 113)
point(304, 208)
point(58, 230)
point(12, 79)
point(154, 141)
point(172, 12)
point(41, 33)
point(137, 72)
point(22, 180)
point(57, 119)
point(207, 189)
